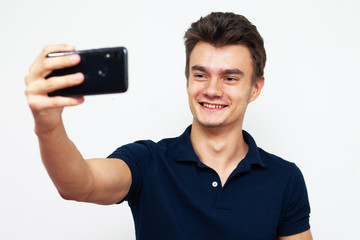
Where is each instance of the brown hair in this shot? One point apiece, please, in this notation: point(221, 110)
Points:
point(220, 29)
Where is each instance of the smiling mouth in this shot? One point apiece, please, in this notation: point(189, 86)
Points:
point(213, 106)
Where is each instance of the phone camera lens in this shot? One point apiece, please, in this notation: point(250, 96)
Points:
point(117, 55)
point(102, 72)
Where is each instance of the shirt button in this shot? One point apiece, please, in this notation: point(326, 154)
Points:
point(214, 184)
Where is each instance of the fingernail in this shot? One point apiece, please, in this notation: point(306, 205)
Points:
point(80, 100)
point(78, 77)
point(74, 58)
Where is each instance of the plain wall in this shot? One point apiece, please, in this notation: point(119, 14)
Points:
point(308, 112)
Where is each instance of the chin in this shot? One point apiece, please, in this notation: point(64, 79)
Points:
point(209, 124)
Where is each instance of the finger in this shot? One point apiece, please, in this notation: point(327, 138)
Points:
point(42, 102)
point(43, 86)
point(56, 48)
point(42, 66)
point(59, 101)
point(52, 48)
point(51, 63)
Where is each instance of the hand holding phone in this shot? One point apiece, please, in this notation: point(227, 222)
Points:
point(105, 71)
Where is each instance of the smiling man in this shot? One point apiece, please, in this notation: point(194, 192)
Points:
point(219, 89)
point(212, 182)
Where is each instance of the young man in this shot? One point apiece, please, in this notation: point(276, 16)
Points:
point(212, 182)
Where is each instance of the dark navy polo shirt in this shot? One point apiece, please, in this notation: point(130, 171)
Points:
point(175, 196)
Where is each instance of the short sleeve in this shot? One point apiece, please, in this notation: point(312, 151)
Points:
point(295, 213)
point(137, 156)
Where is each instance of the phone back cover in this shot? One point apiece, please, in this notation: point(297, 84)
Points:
point(105, 71)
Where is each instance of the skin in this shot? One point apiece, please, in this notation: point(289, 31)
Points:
point(301, 236)
point(218, 77)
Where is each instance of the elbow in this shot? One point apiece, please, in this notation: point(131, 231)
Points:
point(66, 196)
point(79, 194)
point(72, 196)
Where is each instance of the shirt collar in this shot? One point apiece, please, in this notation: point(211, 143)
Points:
point(184, 152)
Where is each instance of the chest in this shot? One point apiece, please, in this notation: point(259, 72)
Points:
point(190, 200)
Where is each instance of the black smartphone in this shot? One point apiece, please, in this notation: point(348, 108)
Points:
point(105, 71)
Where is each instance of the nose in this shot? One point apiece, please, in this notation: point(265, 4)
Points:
point(213, 88)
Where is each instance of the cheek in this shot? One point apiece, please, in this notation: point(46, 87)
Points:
point(239, 95)
point(193, 89)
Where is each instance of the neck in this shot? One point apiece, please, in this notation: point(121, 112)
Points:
point(220, 148)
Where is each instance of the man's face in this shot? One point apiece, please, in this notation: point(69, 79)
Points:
point(219, 84)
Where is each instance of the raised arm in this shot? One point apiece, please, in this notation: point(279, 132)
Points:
point(102, 181)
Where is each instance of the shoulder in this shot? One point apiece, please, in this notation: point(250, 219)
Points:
point(286, 174)
point(277, 163)
point(295, 210)
point(143, 148)
point(132, 149)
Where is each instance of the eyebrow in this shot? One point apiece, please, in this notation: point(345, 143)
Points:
point(226, 71)
point(198, 68)
point(233, 71)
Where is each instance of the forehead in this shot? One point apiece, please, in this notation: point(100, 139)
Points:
point(222, 58)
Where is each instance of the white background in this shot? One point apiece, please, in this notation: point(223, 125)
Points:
point(308, 112)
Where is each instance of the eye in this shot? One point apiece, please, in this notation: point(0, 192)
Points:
point(199, 76)
point(230, 79)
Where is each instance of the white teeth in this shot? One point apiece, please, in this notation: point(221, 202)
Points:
point(212, 105)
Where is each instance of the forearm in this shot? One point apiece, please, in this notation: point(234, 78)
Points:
point(64, 163)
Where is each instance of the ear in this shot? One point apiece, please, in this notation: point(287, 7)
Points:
point(256, 89)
